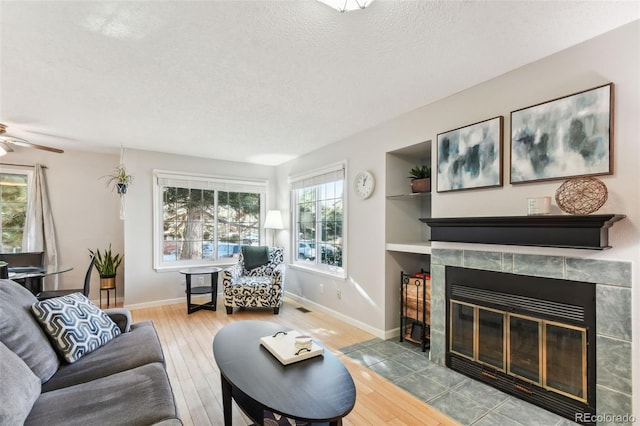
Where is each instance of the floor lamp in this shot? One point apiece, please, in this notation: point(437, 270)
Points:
point(273, 221)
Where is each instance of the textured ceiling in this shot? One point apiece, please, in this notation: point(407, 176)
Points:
point(259, 81)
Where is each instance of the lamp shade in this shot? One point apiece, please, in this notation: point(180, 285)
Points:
point(273, 220)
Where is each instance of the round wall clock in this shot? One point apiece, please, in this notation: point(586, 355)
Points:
point(364, 184)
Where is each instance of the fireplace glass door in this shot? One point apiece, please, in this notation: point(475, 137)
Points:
point(549, 354)
point(566, 360)
point(491, 337)
point(463, 318)
point(525, 348)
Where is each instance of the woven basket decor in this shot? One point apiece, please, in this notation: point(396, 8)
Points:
point(582, 195)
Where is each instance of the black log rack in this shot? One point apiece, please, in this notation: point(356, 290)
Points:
point(566, 231)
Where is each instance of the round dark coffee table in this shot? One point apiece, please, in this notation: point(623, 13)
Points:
point(318, 390)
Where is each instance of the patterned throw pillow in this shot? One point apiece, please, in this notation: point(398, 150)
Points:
point(75, 324)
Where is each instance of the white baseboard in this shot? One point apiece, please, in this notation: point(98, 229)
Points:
point(381, 334)
point(157, 303)
point(196, 298)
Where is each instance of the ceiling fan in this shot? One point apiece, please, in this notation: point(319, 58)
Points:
point(7, 140)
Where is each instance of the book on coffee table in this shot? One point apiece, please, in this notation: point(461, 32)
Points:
point(282, 345)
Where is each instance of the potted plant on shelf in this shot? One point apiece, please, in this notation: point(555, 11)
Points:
point(420, 179)
point(120, 179)
point(107, 265)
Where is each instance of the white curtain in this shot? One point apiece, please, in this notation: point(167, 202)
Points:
point(39, 232)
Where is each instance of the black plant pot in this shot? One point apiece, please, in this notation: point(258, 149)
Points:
point(122, 188)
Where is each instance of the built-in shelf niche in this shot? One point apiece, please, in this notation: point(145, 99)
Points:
point(404, 233)
point(407, 246)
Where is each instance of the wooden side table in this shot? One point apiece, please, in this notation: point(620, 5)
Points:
point(213, 288)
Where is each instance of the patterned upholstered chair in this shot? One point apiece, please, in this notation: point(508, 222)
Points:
point(262, 286)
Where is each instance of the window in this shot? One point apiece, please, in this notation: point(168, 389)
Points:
point(14, 187)
point(318, 206)
point(199, 219)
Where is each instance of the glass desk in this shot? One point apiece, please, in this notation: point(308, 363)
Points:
point(31, 277)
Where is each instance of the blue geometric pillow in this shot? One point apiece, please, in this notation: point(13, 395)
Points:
point(75, 324)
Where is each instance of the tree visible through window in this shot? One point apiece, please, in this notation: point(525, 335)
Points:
point(13, 202)
point(238, 221)
point(189, 221)
point(201, 220)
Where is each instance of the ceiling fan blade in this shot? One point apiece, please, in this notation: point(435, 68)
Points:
point(7, 139)
point(5, 147)
point(21, 142)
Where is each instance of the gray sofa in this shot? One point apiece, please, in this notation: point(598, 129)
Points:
point(122, 382)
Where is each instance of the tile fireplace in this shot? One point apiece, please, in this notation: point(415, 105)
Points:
point(598, 310)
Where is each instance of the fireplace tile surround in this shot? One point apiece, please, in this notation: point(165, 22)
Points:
point(613, 310)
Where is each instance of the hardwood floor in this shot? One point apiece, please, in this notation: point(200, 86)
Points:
point(187, 343)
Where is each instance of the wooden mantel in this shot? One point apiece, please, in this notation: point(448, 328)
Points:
point(583, 232)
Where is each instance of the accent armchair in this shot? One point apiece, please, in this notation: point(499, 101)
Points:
point(258, 286)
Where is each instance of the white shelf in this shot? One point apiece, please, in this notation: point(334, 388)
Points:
point(412, 196)
point(419, 247)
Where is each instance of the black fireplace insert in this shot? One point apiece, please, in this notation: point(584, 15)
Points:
point(531, 337)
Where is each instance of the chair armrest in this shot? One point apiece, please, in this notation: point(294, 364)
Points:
point(232, 273)
point(122, 318)
point(278, 275)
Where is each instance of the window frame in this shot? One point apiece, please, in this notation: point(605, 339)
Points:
point(29, 174)
point(316, 266)
point(214, 182)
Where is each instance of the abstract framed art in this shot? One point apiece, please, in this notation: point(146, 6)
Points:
point(565, 137)
point(470, 157)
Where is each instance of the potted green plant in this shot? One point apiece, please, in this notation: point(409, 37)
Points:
point(107, 265)
point(420, 178)
point(119, 179)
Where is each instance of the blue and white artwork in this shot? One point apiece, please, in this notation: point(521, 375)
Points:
point(471, 156)
point(563, 138)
